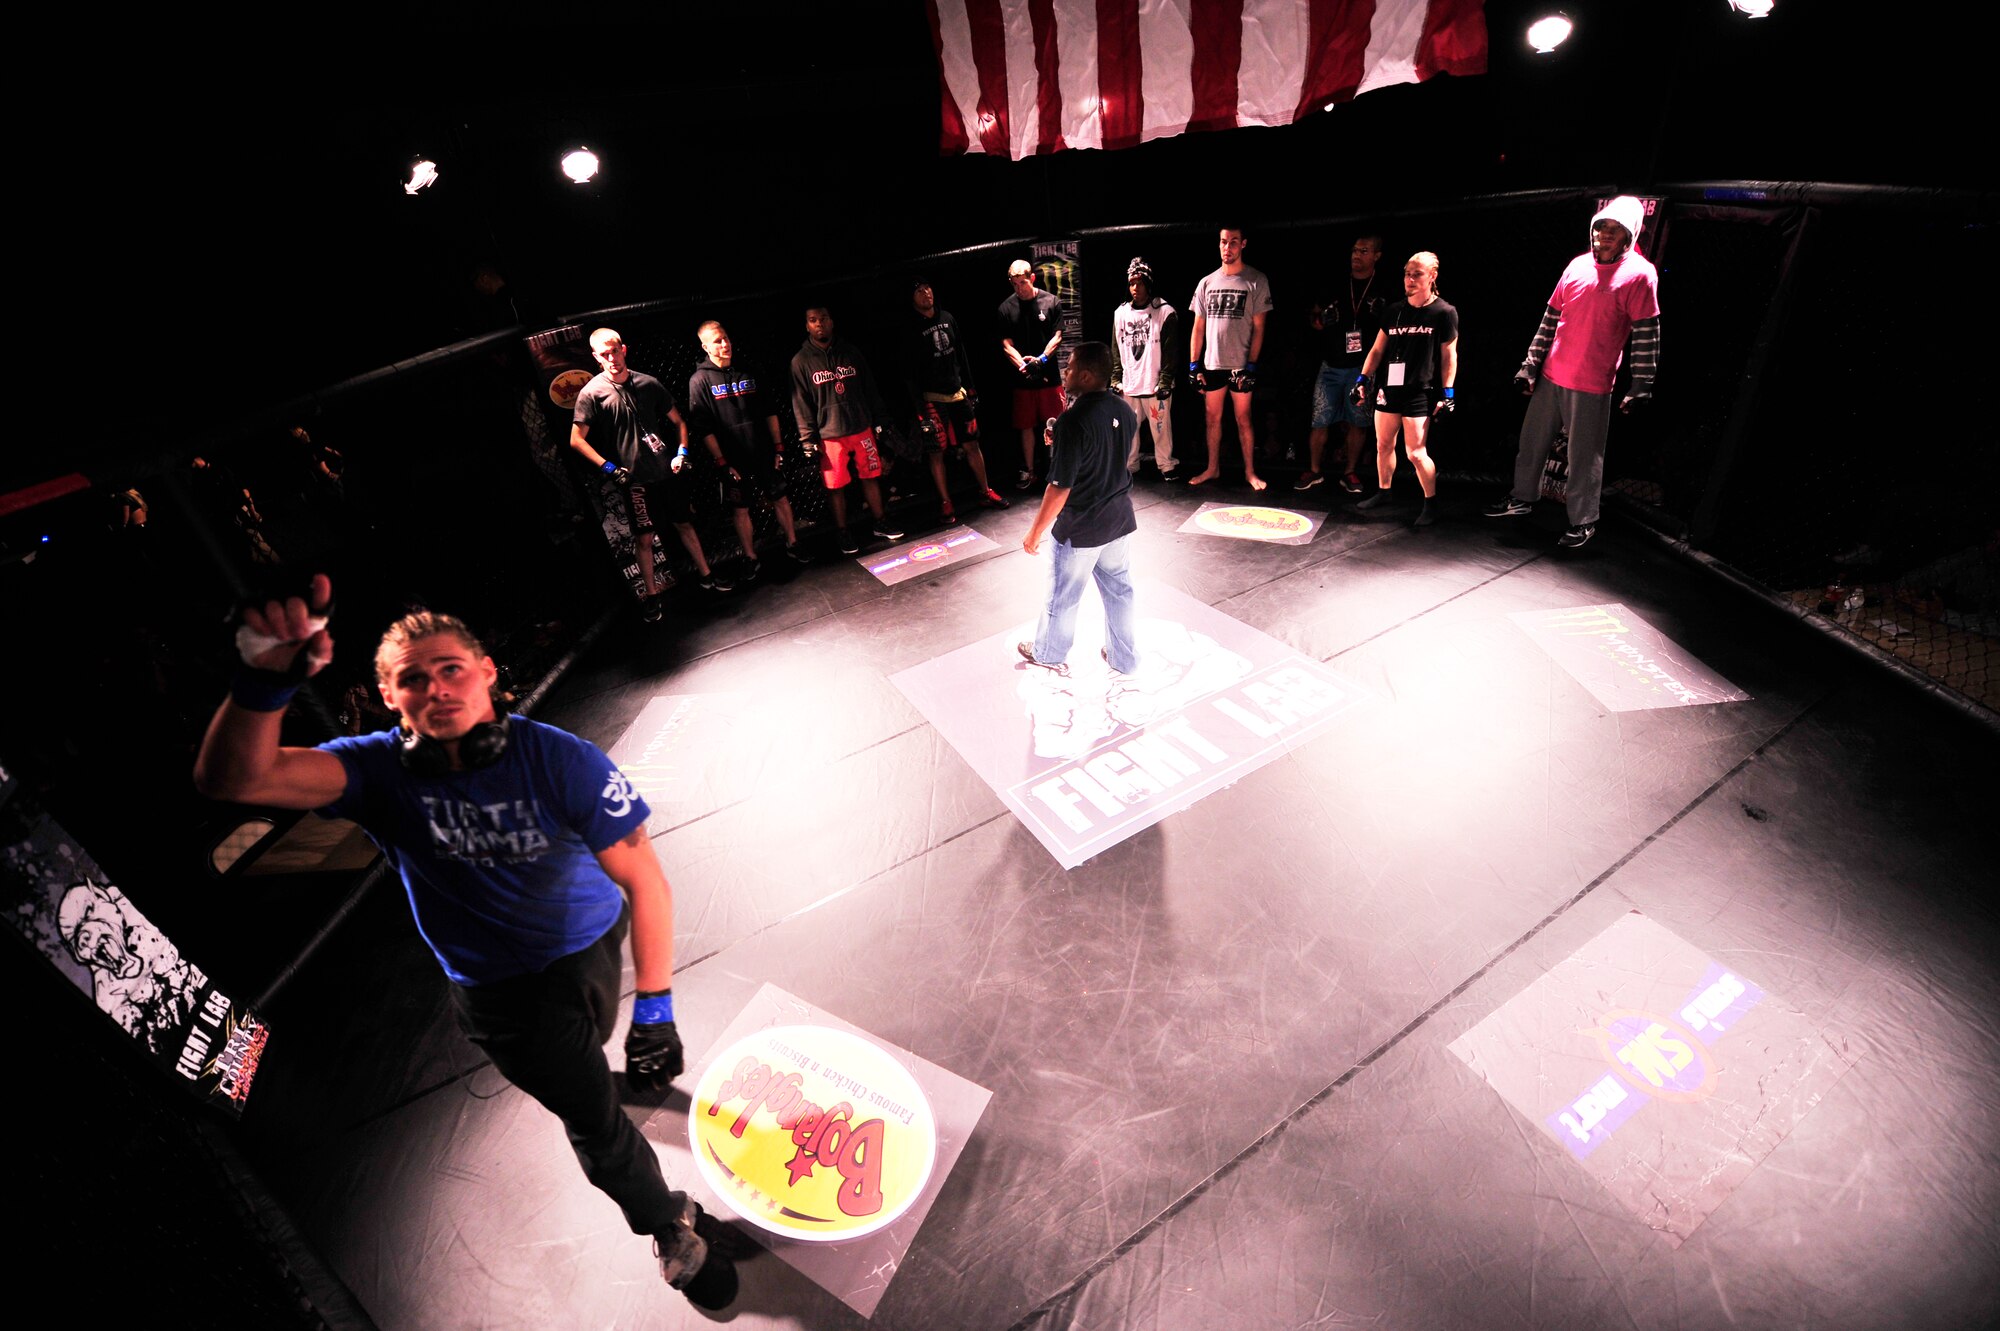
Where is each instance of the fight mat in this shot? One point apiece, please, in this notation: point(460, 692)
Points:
point(1089, 758)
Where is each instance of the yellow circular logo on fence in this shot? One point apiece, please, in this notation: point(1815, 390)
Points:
point(563, 389)
point(1254, 523)
point(812, 1133)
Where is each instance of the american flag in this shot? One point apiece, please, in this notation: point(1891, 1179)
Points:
point(1022, 77)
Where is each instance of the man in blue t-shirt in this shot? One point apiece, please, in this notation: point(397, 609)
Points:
point(525, 858)
point(1087, 507)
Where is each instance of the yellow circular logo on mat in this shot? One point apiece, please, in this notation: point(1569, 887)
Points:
point(564, 388)
point(812, 1133)
point(930, 551)
point(1256, 524)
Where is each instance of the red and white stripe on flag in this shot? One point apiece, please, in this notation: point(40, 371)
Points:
point(1022, 77)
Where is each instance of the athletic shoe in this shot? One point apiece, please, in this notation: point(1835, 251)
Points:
point(1027, 651)
point(1376, 500)
point(948, 516)
point(1425, 516)
point(650, 610)
point(1351, 483)
point(751, 568)
point(796, 555)
point(1307, 480)
point(1025, 481)
point(1171, 474)
point(691, 1265)
point(1509, 507)
point(885, 531)
point(715, 582)
point(993, 500)
point(1577, 536)
point(850, 544)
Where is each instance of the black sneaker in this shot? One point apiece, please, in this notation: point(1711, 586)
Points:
point(1577, 536)
point(689, 1264)
point(1170, 475)
point(1376, 500)
point(650, 610)
point(715, 582)
point(1351, 483)
point(888, 531)
point(1510, 507)
point(751, 568)
point(796, 555)
point(850, 544)
point(1307, 480)
point(1026, 481)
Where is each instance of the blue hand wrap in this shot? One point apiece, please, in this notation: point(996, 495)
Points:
point(1249, 367)
point(257, 690)
point(1447, 391)
point(653, 1009)
point(608, 467)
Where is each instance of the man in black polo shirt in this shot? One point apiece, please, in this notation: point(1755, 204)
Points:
point(1088, 504)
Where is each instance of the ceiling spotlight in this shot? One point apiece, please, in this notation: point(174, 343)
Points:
point(1752, 8)
point(423, 173)
point(580, 165)
point(1545, 35)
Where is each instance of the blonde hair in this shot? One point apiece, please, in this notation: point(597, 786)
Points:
point(415, 627)
point(1428, 260)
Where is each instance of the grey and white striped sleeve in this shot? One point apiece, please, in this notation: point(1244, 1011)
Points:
point(1642, 353)
point(1538, 349)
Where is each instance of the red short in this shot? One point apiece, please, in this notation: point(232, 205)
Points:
point(1032, 406)
point(834, 452)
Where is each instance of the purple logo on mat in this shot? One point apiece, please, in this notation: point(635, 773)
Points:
point(1654, 1057)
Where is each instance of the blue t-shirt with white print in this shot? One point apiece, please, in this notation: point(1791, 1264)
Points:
point(500, 863)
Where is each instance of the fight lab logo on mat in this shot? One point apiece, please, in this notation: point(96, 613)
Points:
point(1107, 756)
point(1254, 522)
point(1666, 1075)
point(1624, 662)
point(813, 1133)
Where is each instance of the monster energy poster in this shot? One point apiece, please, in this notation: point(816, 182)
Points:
point(57, 899)
point(563, 366)
point(1060, 273)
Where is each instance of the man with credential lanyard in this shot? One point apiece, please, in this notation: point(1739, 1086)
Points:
point(524, 855)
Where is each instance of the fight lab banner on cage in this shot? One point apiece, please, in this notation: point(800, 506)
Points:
point(57, 898)
point(1665, 1074)
point(832, 1142)
point(1025, 77)
point(1059, 272)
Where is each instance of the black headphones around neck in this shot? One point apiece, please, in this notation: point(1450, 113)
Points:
point(481, 746)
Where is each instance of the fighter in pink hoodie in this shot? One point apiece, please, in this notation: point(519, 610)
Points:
point(1605, 309)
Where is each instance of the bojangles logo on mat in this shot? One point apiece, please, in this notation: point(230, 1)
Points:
point(1255, 523)
point(812, 1132)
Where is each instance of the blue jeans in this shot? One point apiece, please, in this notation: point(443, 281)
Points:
point(1069, 567)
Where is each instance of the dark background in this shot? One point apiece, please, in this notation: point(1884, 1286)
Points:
point(222, 204)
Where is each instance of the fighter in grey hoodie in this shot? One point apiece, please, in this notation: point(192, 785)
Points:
point(1605, 310)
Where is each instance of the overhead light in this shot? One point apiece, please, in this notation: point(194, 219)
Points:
point(1545, 35)
point(423, 173)
point(1752, 8)
point(580, 165)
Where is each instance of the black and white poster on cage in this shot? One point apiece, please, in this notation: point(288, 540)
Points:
point(58, 899)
